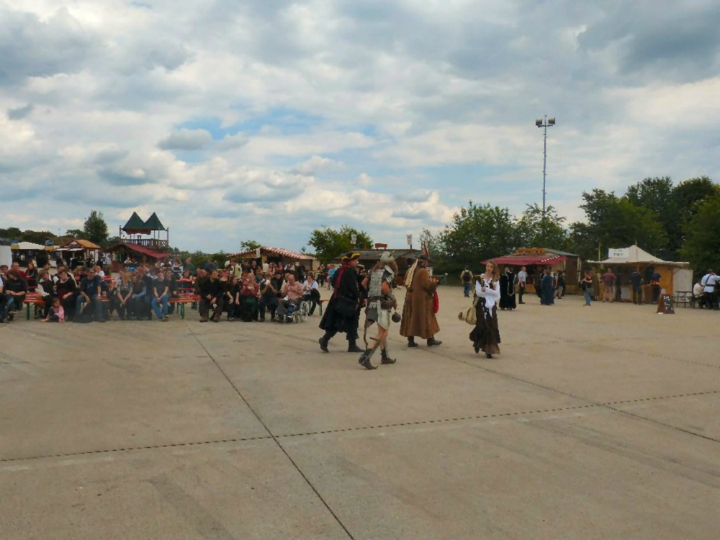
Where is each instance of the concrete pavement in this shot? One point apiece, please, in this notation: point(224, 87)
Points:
point(595, 422)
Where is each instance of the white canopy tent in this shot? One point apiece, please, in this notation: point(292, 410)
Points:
point(28, 246)
point(676, 277)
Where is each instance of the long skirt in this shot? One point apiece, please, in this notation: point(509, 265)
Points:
point(486, 334)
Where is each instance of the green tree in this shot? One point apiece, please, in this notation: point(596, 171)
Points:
point(657, 194)
point(95, 228)
point(37, 237)
point(477, 233)
point(249, 245)
point(331, 243)
point(11, 233)
point(702, 246)
point(615, 222)
point(690, 195)
point(534, 231)
point(76, 233)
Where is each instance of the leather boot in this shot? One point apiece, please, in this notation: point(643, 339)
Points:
point(432, 342)
point(323, 344)
point(386, 358)
point(352, 347)
point(364, 360)
point(411, 342)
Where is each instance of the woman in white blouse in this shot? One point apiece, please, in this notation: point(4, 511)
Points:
point(486, 335)
point(311, 293)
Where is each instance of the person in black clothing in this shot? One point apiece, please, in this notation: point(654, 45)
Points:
point(65, 289)
point(232, 298)
point(15, 290)
point(145, 309)
point(137, 300)
point(341, 313)
point(618, 287)
point(211, 292)
point(270, 287)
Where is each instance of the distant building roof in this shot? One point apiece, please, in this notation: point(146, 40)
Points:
point(79, 243)
point(140, 249)
point(136, 225)
point(274, 252)
point(153, 223)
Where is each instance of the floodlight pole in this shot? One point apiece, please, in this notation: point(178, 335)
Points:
point(544, 124)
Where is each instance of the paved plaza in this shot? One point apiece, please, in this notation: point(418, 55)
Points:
point(598, 422)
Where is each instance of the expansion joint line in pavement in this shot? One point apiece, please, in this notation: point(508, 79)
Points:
point(608, 406)
point(271, 435)
point(134, 448)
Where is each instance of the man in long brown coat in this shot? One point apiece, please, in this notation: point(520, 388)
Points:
point(418, 313)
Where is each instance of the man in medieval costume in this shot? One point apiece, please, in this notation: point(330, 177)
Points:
point(507, 290)
point(418, 317)
point(341, 314)
point(380, 305)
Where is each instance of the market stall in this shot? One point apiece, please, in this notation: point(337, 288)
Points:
point(537, 259)
point(139, 254)
point(674, 276)
point(266, 255)
point(77, 252)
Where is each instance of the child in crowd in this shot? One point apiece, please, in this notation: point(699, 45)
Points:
point(56, 313)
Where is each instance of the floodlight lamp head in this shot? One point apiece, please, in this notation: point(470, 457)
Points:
point(551, 121)
point(539, 122)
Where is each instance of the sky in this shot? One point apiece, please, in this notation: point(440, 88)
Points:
point(266, 119)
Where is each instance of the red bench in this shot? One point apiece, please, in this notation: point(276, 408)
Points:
point(184, 298)
point(32, 299)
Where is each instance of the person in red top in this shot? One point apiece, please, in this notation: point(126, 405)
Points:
point(608, 279)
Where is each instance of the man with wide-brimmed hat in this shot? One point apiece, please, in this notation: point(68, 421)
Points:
point(381, 303)
point(418, 318)
point(341, 314)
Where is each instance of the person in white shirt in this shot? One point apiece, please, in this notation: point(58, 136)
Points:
point(522, 281)
point(311, 293)
point(710, 285)
point(486, 335)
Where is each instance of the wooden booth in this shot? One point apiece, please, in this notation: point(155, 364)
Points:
point(674, 276)
point(140, 254)
point(535, 260)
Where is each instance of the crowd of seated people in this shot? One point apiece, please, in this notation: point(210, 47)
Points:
point(244, 291)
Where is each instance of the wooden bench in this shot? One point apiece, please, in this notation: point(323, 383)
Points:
point(182, 300)
point(32, 299)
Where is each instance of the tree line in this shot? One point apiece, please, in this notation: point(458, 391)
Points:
point(672, 221)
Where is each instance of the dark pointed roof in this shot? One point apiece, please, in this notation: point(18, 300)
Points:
point(135, 223)
point(153, 223)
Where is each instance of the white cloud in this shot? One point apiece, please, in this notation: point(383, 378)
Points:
point(186, 139)
point(318, 164)
point(386, 115)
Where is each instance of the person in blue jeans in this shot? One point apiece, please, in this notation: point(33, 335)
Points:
point(161, 296)
point(90, 294)
point(587, 285)
point(467, 278)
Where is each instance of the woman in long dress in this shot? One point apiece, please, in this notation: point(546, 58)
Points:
point(548, 289)
point(486, 334)
point(507, 290)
